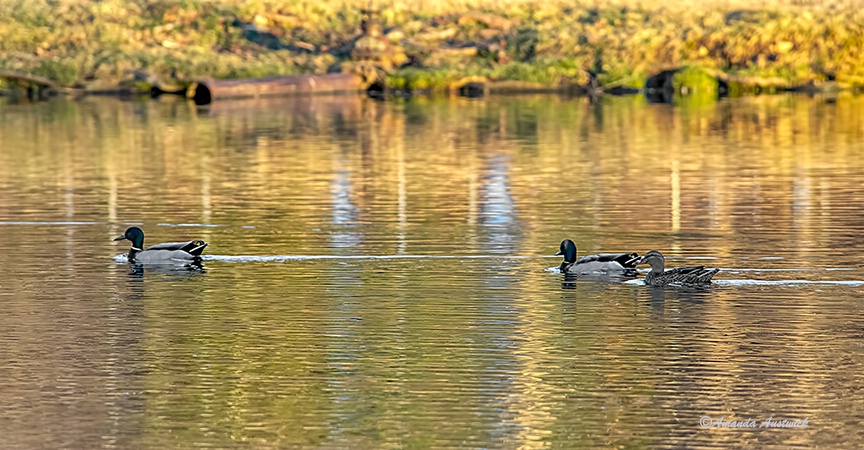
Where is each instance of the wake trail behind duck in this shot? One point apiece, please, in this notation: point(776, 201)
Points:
point(282, 258)
point(641, 282)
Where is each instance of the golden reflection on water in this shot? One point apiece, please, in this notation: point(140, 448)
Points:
point(484, 352)
point(763, 163)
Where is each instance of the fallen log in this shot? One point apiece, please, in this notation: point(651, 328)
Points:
point(206, 92)
point(32, 86)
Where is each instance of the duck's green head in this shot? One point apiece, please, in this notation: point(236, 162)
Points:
point(134, 234)
point(568, 249)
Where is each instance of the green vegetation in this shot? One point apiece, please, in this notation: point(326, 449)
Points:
point(546, 43)
point(694, 81)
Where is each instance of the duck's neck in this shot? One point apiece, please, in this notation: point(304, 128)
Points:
point(657, 266)
point(565, 266)
point(570, 255)
point(138, 243)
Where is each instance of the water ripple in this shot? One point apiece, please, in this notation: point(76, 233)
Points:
point(641, 282)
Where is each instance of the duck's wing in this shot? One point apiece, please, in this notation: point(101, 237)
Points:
point(706, 275)
point(606, 257)
point(605, 263)
point(194, 247)
point(690, 275)
point(684, 271)
point(626, 260)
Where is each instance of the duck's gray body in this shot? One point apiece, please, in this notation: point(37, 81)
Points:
point(681, 276)
point(166, 253)
point(621, 264)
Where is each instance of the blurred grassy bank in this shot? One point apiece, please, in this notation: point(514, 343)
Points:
point(431, 45)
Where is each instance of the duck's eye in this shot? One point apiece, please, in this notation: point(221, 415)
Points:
point(197, 243)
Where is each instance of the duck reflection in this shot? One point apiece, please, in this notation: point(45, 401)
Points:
point(589, 284)
point(570, 280)
point(658, 295)
point(137, 271)
point(136, 285)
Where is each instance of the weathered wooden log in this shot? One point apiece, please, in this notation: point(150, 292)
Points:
point(32, 86)
point(206, 92)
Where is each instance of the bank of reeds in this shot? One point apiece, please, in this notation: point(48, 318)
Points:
point(545, 43)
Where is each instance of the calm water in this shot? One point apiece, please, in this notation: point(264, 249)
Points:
point(380, 275)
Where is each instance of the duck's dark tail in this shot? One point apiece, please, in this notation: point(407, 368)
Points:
point(628, 260)
point(706, 275)
point(197, 248)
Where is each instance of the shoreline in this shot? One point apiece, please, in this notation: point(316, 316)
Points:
point(465, 48)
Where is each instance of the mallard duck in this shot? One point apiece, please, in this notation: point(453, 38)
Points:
point(169, 252)
point(690, 276)
point(600, 264)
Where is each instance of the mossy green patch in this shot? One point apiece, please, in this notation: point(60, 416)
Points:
point(695, 82)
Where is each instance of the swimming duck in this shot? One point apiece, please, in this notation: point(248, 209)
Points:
point(169, 252)
point(690, 276)
point(600, 264)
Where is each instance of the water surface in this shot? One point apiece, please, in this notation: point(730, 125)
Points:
point(379, 274)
